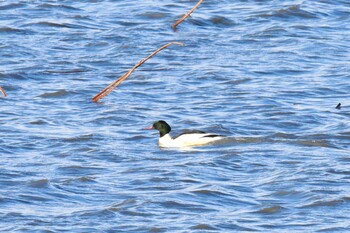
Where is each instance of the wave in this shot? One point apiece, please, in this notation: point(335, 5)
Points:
point(11, 30)
point(294, 11)
point(58, 6)
point(323, 203)
point(12, 6)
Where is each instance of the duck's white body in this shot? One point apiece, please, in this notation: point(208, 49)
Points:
point(188, 140)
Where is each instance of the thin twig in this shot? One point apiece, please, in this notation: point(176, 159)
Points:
point(3, 92)
point(186, 15)
point(114, 84)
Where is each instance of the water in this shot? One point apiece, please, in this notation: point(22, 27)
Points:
point(268, 74)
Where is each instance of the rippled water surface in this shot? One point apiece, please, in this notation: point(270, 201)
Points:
point(268, 74)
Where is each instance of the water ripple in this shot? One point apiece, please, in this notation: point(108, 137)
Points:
point(268, 75)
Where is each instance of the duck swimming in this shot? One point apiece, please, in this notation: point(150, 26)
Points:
point(186, 139)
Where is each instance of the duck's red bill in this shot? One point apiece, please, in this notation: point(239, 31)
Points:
point(149, 127)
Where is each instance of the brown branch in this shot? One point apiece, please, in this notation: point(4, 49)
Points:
point(3, 92)
point(114, 84)
point(186, 15)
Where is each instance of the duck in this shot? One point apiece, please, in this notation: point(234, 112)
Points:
point(185, 139)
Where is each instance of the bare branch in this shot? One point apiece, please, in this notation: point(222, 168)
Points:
point(186, 15)
point(3, 92)
point(113, 85)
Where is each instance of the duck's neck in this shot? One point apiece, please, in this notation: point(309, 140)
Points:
point(165, 139)
point(163, 132)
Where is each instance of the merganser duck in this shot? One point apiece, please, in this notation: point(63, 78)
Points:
point(185, 139)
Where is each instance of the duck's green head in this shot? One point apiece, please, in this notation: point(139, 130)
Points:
point(162, 127)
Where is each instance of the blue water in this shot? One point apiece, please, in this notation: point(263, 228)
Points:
point(268, 74)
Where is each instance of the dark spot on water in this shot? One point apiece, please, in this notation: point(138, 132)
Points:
point(221, 21)
point(270, 210)
point(38, 122)
point(42, 183)
point(157, 229)
point(338, 106)
point(67, 71)
point(153, 15)
point(55, 94)
point(204, 227)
